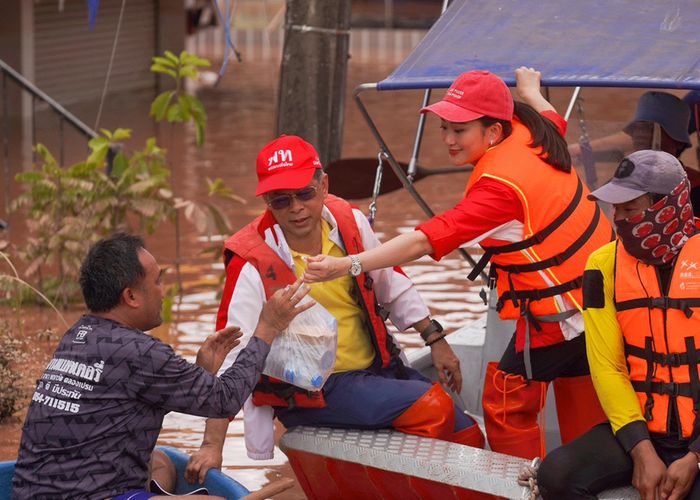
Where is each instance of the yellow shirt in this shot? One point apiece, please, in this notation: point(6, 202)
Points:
point(355, 350)
point(605, 348)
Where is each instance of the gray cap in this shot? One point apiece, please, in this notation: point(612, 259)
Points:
point(641, 172)
point(665, 109)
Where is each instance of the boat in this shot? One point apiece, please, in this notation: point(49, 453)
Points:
point(568, 42)
point(351, 464)
point(216, 482)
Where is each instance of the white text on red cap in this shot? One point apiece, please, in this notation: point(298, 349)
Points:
point(455, 93)
point(280, 158)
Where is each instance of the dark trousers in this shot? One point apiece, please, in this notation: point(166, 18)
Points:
point(595, 462)
point(366, 399)
point(565, 359)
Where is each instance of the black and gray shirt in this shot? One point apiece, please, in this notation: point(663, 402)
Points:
point(97, 410)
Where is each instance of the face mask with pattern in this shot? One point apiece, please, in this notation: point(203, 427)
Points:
point(656, 235)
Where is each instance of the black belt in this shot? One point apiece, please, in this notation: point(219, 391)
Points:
point(674, 359)
point(665, 388)
point(557, 260)
point(537, 294)
point(659, 303)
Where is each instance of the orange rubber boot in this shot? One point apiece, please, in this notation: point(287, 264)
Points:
point(578, 408)
point(470, 436)
point(512, 407)
point(432, 415)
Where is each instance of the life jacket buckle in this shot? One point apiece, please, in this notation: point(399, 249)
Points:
point(671, 389)
point(659, 303)
point(382, 312)
point(672, 359)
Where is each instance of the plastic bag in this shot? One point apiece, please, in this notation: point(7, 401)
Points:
point(304, 354)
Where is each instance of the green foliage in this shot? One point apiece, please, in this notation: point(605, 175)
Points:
point(14, 347)
point(12, 395)
point(169, 302)
point(69, 209)
point(177, 106)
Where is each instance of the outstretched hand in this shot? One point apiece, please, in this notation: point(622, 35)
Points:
point(215, 348)
point(281, 309)
point(325, 268)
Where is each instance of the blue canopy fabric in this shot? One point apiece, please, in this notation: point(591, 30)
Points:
point(592, 43)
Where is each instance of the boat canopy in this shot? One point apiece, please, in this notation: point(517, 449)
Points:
point(592, 43)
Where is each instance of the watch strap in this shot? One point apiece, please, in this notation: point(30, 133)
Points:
point(433, 327)
point(355, 265)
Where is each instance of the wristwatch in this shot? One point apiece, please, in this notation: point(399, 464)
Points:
point(355, 266)
point(433, 327)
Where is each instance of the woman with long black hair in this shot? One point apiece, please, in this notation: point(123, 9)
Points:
point(527, 208)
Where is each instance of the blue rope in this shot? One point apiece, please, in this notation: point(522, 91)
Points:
point(225, 21)
point(93, 5)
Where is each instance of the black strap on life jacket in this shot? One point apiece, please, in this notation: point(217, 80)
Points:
point(533, 240)
point(537, 294)
point(659, 303)
point(672, 359)
point(673, 389)
point(688, 389)
point(274, 392)
point(649, 357)
point(692, 356)
point(558, 259)
point(675, 360)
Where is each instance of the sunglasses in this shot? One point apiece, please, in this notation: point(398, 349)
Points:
point(282, 201)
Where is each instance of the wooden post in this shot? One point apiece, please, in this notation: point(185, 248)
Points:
point(313, 73)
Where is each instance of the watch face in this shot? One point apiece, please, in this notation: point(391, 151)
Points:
point(355, 266)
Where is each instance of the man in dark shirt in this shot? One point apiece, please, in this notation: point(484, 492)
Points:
point(98, 408)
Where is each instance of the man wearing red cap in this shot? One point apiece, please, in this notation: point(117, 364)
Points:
point(370, 387)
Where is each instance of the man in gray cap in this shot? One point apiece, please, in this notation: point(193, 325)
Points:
point(641, 298)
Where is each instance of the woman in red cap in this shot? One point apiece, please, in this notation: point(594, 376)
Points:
point(527, 208)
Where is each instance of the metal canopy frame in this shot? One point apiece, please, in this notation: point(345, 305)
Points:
point(664, 29)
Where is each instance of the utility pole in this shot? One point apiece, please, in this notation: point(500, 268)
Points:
point(313, 73)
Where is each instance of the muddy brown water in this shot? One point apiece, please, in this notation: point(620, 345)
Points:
point(241, 119)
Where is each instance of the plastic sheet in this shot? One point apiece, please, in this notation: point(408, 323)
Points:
point(640, 43)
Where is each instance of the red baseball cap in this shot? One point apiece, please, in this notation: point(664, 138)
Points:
point(288, 162)
point(472, 95)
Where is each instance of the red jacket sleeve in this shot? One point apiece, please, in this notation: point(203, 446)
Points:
point(490, 204)
point(557, 120)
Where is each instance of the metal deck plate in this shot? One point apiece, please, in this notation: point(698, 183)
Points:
point(431, 459)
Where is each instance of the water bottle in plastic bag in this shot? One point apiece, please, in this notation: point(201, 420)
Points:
point(304, 354)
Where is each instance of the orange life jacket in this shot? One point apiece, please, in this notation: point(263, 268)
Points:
point(661, 332)
point(248, 243)
point(561, 228)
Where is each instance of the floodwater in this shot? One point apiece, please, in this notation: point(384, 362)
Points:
point(241, 119)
